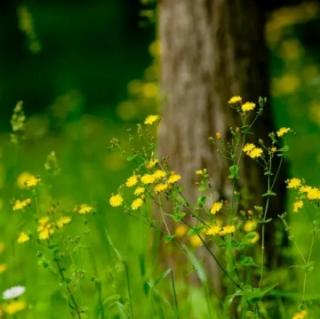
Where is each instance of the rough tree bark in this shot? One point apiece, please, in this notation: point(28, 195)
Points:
point(211, 50)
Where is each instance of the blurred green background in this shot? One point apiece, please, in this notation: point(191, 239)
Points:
point(90, 48)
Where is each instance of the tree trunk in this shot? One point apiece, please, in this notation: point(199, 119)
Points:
point(211, 50)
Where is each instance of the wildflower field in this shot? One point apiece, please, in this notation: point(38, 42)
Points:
point(95, 223)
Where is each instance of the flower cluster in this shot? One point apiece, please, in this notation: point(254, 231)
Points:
point(303, 193)
point(153, 182)
point(244, 107)
point(252, 151)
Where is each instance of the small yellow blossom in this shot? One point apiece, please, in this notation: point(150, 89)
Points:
point(282, 131)
point(23, 238)
point(84, 209)
point(195, 241)
point(255, 238)
point(64, 220)
point(252, 151)
point(313, 193)
point(131, 181)
point(218, 135)
point(300, 315)
point(181, 230)
point(45, 228)
point(14, 306)
point(305, 189)
point(227, 230)
point(139, 190)
point(235, 99)
point(136, 204)
point(148, 179)
point(151, 119)
point(158, 174)
point(3, 268)
point(27, 180)
point(116, 200)
point(257, 152)
point(152, 163)
point(249, 226)
point(201, 172)
point(173, 178)
point(293, 183)
point(213, 230)
point(248, 106)
point(21, 204)
point(248, 147)
point(161, 187)
point(297, 205)
point(216, 207)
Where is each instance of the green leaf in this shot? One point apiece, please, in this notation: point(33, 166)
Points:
point(234, 172)
point(131, 157)
point(269, 194)
point(201, 200)
point(168, 238)
point(177, 216)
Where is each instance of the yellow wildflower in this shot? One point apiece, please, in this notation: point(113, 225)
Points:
point(227, 230)
point(116, 200)
point(151, 119)
point(195, 241)
point(218, 135)
point(248, 106)
point(313, 193)
point(148, 179)
point(255, 238)
point(297, 205)
point(249, 226)
point(23, 238)
point(27, 180)
point(282, 131)
point(173, 178)
point(158, 174)
point(139, 190)
point(252, 151)
point(305, 189)
point(14, 306)
point(213, 230)
point(235, 99)
point(300, 315)
point(3, 268)
point(84, 209)
point(21, 204)
point(216, 207)
point(248, 147)
point(201, 172)
point(161, 187)
point(45, 228)
point(181, 230)
point(293, 183)
point(152, 163)
point(136, 204)
point(256, 152)
point(64, 220)
point(131, 181)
